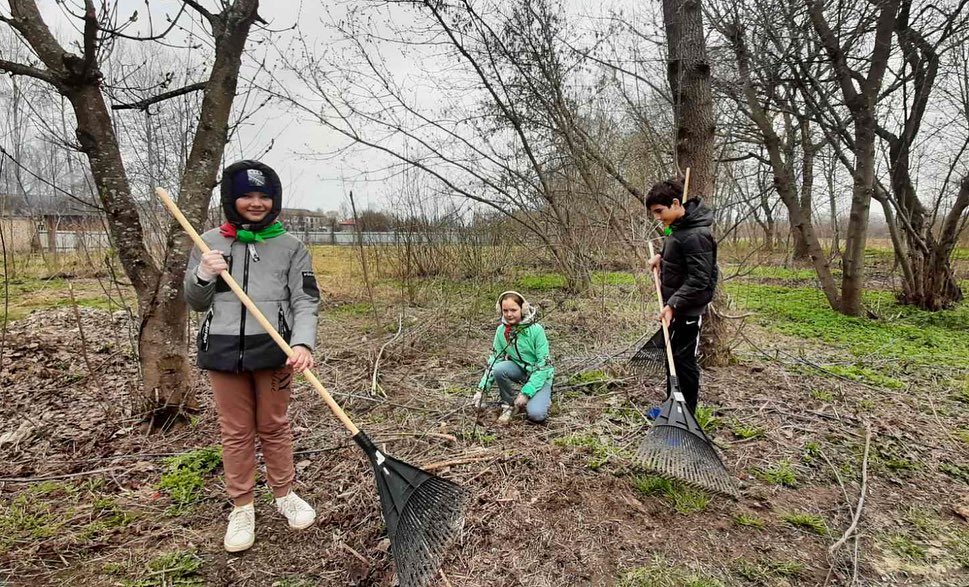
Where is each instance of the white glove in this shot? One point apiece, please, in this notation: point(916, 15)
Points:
point(210, 265)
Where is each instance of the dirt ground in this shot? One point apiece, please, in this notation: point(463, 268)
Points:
point(560, 504)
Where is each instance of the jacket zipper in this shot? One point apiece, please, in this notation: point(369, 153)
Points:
point(242, 319)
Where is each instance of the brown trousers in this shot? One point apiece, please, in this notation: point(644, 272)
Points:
point(251, 403)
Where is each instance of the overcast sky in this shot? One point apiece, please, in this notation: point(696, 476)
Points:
point(299, 147)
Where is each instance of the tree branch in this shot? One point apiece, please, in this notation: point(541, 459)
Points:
point(144, 104)
point(25, 70)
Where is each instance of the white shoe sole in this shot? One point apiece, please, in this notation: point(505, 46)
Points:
point(239, 547)
point(304, 526)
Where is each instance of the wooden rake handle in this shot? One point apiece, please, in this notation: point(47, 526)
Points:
point(666, 327)
point(251, 306)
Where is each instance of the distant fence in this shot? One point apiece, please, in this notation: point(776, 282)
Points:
point(73, 240)
point(70, 240)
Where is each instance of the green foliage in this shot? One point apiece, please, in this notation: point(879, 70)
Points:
point(812, 451)
point(184, 476)
point(613, 278)
point(865, 375)
point(905, 333)
point(706, 418)
point(660, 573)
point(479, 436)
point(683, 498)
point(746, 431)
point(593, 381)
point(748, 521)
point(956, 471)
point(963, 434)
point(541, 282)
point(822, 395)
point(766, 571)
point(602, 450)
point(906, 548)
point(810, 522)
point(171, 569)
point(780, 474)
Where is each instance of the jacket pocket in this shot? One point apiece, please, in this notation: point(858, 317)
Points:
point(281, 324)
point(203, 337)
point(220, 285)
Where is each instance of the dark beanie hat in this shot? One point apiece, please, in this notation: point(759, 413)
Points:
point(243, 177)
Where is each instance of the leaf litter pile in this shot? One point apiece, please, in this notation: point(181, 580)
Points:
point(86, 495)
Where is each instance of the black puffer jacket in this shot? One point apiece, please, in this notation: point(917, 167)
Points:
point(688, 272)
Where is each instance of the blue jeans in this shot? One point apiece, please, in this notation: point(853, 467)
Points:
point(507, 373)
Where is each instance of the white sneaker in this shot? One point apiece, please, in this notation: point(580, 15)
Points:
point(506, 413)
point(299, 513)
point(476, 400)
point(241, 532)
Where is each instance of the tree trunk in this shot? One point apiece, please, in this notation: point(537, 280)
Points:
point(688, 73)
point(163, 349)
point(856, 237)
point(802, 250)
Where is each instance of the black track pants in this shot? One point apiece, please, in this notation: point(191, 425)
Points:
point(685, 339)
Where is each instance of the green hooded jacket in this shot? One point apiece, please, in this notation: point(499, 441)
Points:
point(528, 349)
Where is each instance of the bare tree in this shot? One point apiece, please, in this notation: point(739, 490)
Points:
point(79, 78)
point(689, 76)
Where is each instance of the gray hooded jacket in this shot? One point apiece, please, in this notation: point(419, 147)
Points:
point(278, 275)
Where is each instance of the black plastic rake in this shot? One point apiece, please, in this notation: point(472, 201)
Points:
point(675, 446)
point(423, 512)
point(650, 358)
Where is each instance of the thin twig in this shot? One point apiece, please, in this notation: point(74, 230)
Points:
point(376, 363)
point(63, 476)
point(861, 496)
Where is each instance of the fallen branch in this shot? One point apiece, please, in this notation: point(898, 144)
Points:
point(376, 363)
point(64, 476)
point(460, 461)
point(861, 496)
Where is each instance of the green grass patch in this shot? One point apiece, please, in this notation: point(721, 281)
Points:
point(593, 381)
point(541, 282)
point(661, 573)
point(767, 571)
point(865, 375)
point(822, 395)
point(748, 521)
point(602, 450)
point(706, 418)
point(963, 435)
point(683, 498)
point(810, 522)
point(905, 333)
point(479, 436)
point(184, 476)
point(812, 451)
point(957, 471)
point(906, 548)
point(174, 568)
point(354, 309)
point(613, 278)
point(780, 474)
point(746, 431)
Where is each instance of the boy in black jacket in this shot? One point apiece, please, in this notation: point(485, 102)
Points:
point(688, 276)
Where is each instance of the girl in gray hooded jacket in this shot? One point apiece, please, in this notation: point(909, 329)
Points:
point(249, 373)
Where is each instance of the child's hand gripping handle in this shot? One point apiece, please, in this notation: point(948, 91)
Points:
point(251, 306)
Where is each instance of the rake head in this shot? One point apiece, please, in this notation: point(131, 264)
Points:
point(650, 358)
point(676, 448)
point(423, 513)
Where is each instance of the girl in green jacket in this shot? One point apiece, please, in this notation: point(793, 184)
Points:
point(519, 355)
